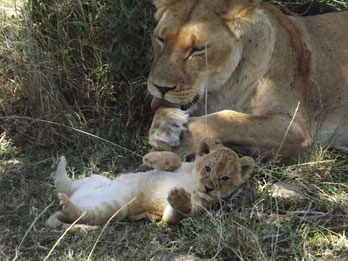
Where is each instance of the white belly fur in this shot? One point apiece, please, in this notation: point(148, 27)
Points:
point(97, 190)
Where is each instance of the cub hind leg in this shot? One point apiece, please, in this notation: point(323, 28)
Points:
point(67, 215)
point(92, 216)
point(61, 180)
point(69, 209)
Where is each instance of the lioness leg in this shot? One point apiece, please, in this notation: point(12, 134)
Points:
point(266, 134)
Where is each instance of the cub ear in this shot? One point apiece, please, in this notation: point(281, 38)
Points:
point(247, 166)
point(205, 146)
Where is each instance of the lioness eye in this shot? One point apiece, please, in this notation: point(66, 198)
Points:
point(197, 51)
point(224, 178)
point(160, 41)
point(207, 169)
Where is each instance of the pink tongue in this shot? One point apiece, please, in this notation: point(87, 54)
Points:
point(157, 102)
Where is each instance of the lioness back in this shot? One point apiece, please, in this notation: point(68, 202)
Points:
point(327, 37)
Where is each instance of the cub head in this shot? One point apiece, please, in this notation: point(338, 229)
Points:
point(220, 170)
point(196, 40)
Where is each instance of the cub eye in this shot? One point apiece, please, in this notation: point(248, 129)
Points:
point(224, 178)
point(160, 41)
point(197, 51)
point(207, 169)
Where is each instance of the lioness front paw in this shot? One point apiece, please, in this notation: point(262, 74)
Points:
point(167, 128)
point(180, 200)
point(162, 160)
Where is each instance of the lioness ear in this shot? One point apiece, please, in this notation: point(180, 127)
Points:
point(247, 166)
point(205, 146)
point(163, 3)
point(161, 6)
point(238, 14)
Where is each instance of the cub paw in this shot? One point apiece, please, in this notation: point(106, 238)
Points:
point(162, 160)
point(63, 199)
point(180, 200)
point(167, 128)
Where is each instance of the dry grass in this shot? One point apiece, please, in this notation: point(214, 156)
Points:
point(308, 227)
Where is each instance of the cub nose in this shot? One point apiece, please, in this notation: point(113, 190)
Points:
point(163, 89)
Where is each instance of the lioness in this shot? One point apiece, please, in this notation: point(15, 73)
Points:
point(249, 76)
point(158, 194)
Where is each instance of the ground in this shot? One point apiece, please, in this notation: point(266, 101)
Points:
point(310, 224)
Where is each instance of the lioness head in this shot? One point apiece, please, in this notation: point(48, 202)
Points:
point(220, 170)
point(195, 40)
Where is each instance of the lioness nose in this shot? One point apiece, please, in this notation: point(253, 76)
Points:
point(164, 89)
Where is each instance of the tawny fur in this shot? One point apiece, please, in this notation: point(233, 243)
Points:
point(157, 194)
point(256, 66)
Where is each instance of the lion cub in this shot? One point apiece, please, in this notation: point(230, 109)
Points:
point(158, 194)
